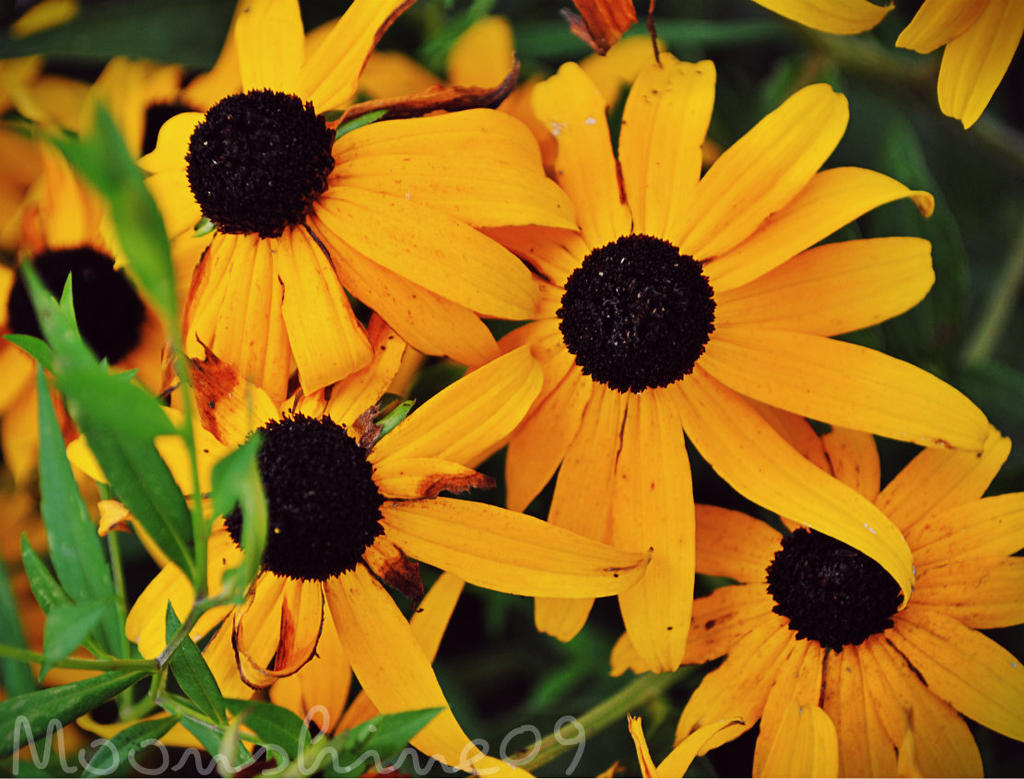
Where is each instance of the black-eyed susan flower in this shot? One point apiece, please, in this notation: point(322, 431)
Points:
point(388, 212)
point(684, 298)
point(62, 235)
point(347, 509)
point(813, 622)
point(980, 39)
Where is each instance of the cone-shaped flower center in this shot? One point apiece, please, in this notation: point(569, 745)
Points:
point(107, 308)
point(156, 115)
point(323, 505)
point(258, 162)
point(637, 313)
point(829, 591)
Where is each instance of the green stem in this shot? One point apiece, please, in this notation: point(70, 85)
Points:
point(608, 712)
point(999, 306)
point(28, 656)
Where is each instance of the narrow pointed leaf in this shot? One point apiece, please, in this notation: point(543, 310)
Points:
point(194, 675)
point(111, 758)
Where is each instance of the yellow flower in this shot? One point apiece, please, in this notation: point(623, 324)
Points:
point(980, 37)
point(62, 235)
point(681, 300)
point(840, 17)
point(346, 509)
point(388, 212)
point(811, 622)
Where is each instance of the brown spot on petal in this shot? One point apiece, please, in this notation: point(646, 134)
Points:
point(214, 381)
point(434, 485)
point(391, 566)
point(367, 432)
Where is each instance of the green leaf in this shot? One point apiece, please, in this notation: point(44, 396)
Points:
point(66, 628)
point(211, 738)
point(36, 347)
point(27, 717)
point(359, 121)
point(203, 227)
point(393, 418)
point(115, 402)
point(376, 741)
point(103, 159)
point(75, 548)
point(112, 756)
point(15, 676)
point(193, 674)
point(49, 594)
point(273, 725)
point(236, 482)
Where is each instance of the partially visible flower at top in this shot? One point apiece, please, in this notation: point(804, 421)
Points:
point(812, 622)
point(346, 506)
point(42, 16)
point(600, 23)
point(980, 37)
point(389, 212)
point(61, 235)
point(840, 17)
point(686, 299)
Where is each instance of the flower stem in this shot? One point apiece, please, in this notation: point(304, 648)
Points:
point(609, 711)
point(90, 664)
point(999, 306)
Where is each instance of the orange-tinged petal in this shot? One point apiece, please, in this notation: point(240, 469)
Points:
point(437, 161)
point(430, 248)
point(331, 73)
point(865, 749)
point(945, 746)
point(731, 543)
point(483, 55)
point(784, 741)
point(831, 199)
point(507, 551)
point(839, 17)
point(648, 768)
point(663, 126)
point(763, 171)
point(939, 478)
point(583, 497)
point(974, 63)
point(844, 384)
point(937, 22)
point(738, 688)
point(365, 387)
point(18, 370)
point(724, 617)
point(652, 503)
point(230, 407)
point(542, 440)
point(551, 251)
point(468, 417)
point(327, 340)
point(573, 111)
point(424, 477)
point(990, 527)
point(256, 627)
point(756, 461)
point(853, 458)
point(600, 23)
point(834, 288)
point(426, 321)
point(982, 592)
point(270, 40)
point(964, 667)
point(219, 655)
point(395, 672)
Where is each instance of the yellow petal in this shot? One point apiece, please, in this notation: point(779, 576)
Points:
point(551, 251)
point(429, 248)
point(620, 65)
point(844, 384)
point(733, 544)
point(468, 417)
point(937, 22)
point(365, 387)
point(439, 162)
point(506, 551)
point(834, 288)
point(723, 618)
point(663, 126)
point(758, 463)
point(331, 73)
point(652, 506)
point(853, 458)
point(573, 111)
point(831, 199)
point(974, 63)
point(679, 759)
point(981, 592)
point(17, 369)
point(625, 658)
point(839, 17)
point(270, 40)
point(179, 209)
point(229, 407)
point(964, 667)
point(648, 769)
point(393, 74)
point(939, 478)
point(992, 526)
point(483, 55)
point(811, 746)
point(394, 670)
point(424, 477)
point(542, 440)
point(763, 171)
point(426, 321)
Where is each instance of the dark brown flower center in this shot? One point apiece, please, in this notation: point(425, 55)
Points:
point(323, 505)
point(258, 162)
point(637, 313)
